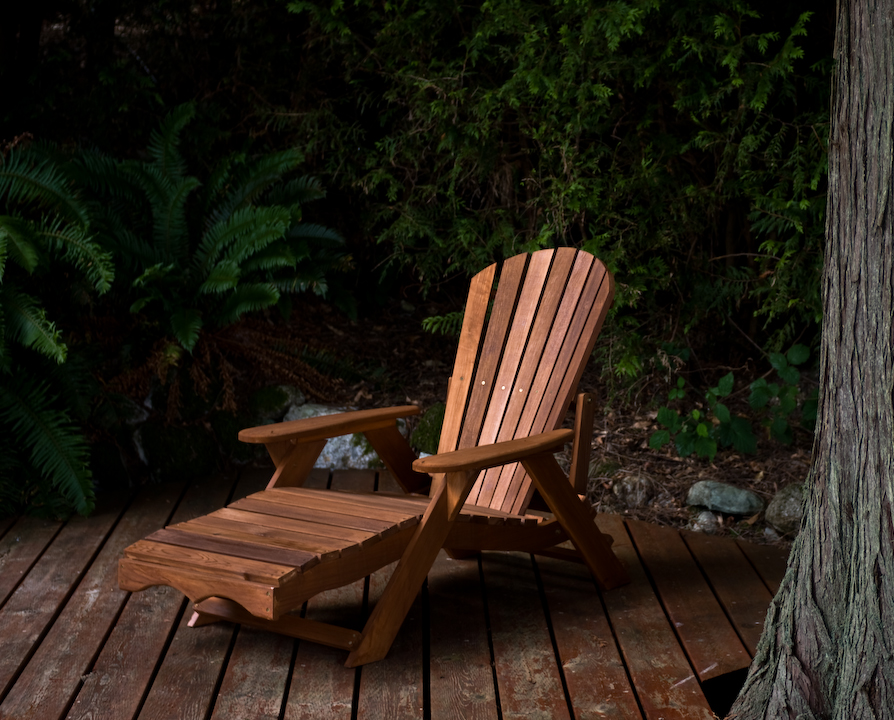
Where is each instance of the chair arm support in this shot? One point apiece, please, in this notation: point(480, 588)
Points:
point(501, 453)
point(326, 426)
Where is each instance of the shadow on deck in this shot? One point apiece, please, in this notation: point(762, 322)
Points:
point(502, 636)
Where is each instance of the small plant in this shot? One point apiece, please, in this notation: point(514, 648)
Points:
point(702, 431)
point(780, 399)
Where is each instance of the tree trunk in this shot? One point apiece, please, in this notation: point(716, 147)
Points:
point(828, 645)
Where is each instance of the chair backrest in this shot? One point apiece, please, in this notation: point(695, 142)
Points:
point(528, 331)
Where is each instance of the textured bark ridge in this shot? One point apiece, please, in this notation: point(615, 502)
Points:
point(828, 645)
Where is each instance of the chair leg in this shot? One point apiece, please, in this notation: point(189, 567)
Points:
point(567, 507)
point(389, 613)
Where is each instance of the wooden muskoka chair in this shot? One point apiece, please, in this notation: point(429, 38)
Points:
point(519, 360)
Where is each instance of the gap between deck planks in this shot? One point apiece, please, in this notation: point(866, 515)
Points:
point(505, 635)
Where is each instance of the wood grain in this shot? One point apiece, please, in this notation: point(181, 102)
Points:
point(740, 589)
point(594, 672)
point(666, 685)
point(20, 548)
point(528, 679)
point(460, 674)
point(52, 677)
point(710, 641)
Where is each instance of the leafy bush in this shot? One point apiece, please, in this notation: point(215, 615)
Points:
point(701, 431)
point(44, 228)
point(683, 143)
point(780, 400)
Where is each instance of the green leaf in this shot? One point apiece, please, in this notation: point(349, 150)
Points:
point(702, 430)
point(790, 375)
point(725, 386)
point(778, 361)
point(247, 298)
point(738, 433)
point(706, 448)
point(798, 354)
point(669, 418)
point(659, 439)
point(722, 412)
point(685, 443)
point(780, 430)
point(761, 394)
point(186, 324)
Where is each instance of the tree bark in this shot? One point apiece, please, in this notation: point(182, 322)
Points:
point(828, 645)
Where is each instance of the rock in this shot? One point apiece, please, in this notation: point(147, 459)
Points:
point(785, 510)
point(705, 522)
point(340, 453)
point(634, 491)
point(770, 534)
point(270, 404)
point(724, 498)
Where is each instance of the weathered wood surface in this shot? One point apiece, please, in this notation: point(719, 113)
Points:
point(506, 635)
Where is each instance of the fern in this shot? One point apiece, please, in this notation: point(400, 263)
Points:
point(57, 450)
point(449, 324)
point(27, 324)
point(27, 179)
point(248, 298)
point(186, 323)
point(164, 143)
point(81, 251)
point(17, 239)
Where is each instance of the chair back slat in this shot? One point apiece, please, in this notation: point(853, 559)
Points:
point(517, 377)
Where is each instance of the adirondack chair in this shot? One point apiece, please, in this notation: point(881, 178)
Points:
point(527, 333)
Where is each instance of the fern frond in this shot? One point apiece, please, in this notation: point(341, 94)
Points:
point(57, 448)
point(297, 192)
point(27, 178)
point(253, 182)
point(28, 325)
point(273, 257)
point(223, 276)
point(249, 230)
point(449, 324)
point(247, 298)
point(17, 236)
point(186, 324)
point(79, 249)
point(314, 233)
point(164, 142)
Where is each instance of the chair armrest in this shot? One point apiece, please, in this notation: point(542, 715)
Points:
point(327, 426)
point(501, 453)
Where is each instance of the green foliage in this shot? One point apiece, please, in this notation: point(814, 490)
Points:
point(683, 143)
point(449, 324)
point(779, 401)
point(702, 431)
point(44, 231)
point(202, 254)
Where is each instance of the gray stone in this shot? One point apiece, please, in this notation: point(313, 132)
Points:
point(705, 522)
point(724, 498)
point(785, 510)
point(340, 453)
point(634, 491)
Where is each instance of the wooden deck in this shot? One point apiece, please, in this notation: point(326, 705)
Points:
point(506, 636)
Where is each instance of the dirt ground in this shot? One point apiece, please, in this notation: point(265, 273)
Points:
point(388, 359)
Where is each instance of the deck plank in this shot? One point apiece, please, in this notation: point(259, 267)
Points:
point(118, 681)
point(594, 672)
point(255, 679)
point(713, 646)
point(770, 561)
point(52, 677)
point(528, 679)
point(20, 548)
point(666, 685)
point(737, 584)
point(32, 608)
point(460, 675)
